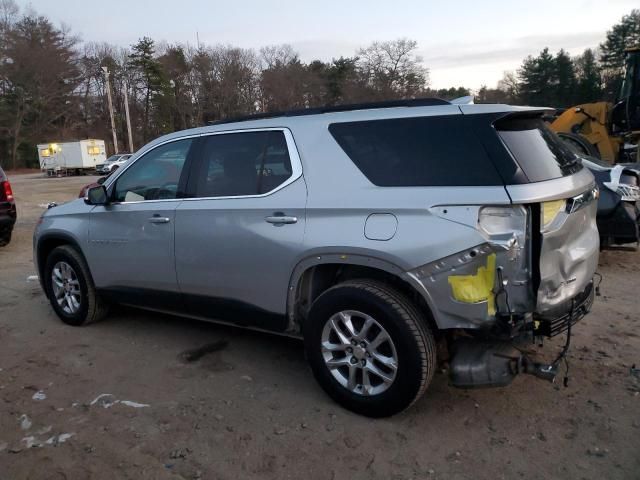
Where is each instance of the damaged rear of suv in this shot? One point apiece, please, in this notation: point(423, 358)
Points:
point(518, 211)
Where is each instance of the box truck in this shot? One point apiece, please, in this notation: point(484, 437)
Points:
point(71, 158)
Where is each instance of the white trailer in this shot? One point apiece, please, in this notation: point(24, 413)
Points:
point(71, 158)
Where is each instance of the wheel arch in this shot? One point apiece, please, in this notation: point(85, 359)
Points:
point(315, 274)
point(45, 245)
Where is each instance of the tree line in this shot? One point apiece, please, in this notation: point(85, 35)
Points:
point(559, 80)
point(53, 88)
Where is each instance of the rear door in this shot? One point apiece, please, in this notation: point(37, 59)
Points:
point(238, 238)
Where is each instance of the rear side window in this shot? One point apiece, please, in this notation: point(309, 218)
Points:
point(420, 151)
point(538, 151)
point(239, 164)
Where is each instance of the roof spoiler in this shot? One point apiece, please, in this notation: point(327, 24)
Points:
point(467, 100)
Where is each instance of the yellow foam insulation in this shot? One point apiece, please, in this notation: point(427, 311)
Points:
point(476, 288)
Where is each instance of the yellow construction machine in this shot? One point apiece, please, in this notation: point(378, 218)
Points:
point(605, 130)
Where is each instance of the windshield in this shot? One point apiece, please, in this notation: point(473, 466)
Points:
point(538, 151)
point(631, 75)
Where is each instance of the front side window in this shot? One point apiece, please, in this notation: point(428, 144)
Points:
point(155, 176)
point(240, 164)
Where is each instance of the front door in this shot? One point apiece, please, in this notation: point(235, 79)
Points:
point(131, 240)
point(238, 239)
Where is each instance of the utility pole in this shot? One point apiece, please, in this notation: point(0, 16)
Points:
point(113, 123)
point(126, 112)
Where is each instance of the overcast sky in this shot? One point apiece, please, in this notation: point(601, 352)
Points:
point(462, 42)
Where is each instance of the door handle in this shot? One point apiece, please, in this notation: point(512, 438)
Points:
point(280, 219)
point(159, 219)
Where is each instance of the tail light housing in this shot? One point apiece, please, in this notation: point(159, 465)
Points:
point(6, 194)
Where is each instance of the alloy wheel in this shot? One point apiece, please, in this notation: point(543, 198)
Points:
point(66, 287)
point(359, 353)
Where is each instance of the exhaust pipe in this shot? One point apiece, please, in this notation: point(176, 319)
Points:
point(483, 364)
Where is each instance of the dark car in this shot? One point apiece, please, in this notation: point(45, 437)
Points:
point(618, 214)
point(7, 210)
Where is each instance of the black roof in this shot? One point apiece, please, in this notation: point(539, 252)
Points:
point(416, 102)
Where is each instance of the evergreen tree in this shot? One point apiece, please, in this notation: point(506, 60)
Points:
point(537, 77)
point(589, 78)
point(38, 75)
point(623, 35)
point(148, 77)
point(563, 86)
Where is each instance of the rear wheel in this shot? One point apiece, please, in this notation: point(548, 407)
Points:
point(579, 144)
point(369, 347)
point(70, 288)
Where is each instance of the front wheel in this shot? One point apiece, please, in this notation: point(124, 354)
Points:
point(70, 288)
point(369, 347)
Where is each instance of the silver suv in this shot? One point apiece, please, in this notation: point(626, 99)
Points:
point(379, 234)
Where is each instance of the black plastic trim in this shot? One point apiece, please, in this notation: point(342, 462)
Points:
point(201, 306)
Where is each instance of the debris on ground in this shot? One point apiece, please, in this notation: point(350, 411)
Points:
point(597, 452)
point(25, 422)
point(57, 439)
point(107, 400)
point(39, 395)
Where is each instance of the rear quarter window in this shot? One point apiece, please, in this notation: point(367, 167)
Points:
point(419, 151)
point(539, 152)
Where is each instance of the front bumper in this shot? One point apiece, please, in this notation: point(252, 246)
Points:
point(494, 360)
point(554, 322)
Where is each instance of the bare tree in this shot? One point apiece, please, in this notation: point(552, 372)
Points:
point(392, 69)
point(511, 86)
point(273, 56)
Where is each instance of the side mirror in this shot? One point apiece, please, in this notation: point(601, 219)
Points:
point(96, 196)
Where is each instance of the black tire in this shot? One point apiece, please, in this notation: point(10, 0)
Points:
point(406, 326)
point(5, 239)
point(579, 144)
point(114, 168)
point(92, 307)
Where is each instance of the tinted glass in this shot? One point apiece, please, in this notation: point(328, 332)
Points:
point(238, 164)
point(539, 152)
point(422, 151)
point(155, 176)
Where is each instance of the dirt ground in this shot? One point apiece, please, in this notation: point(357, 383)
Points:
point(116, 400)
